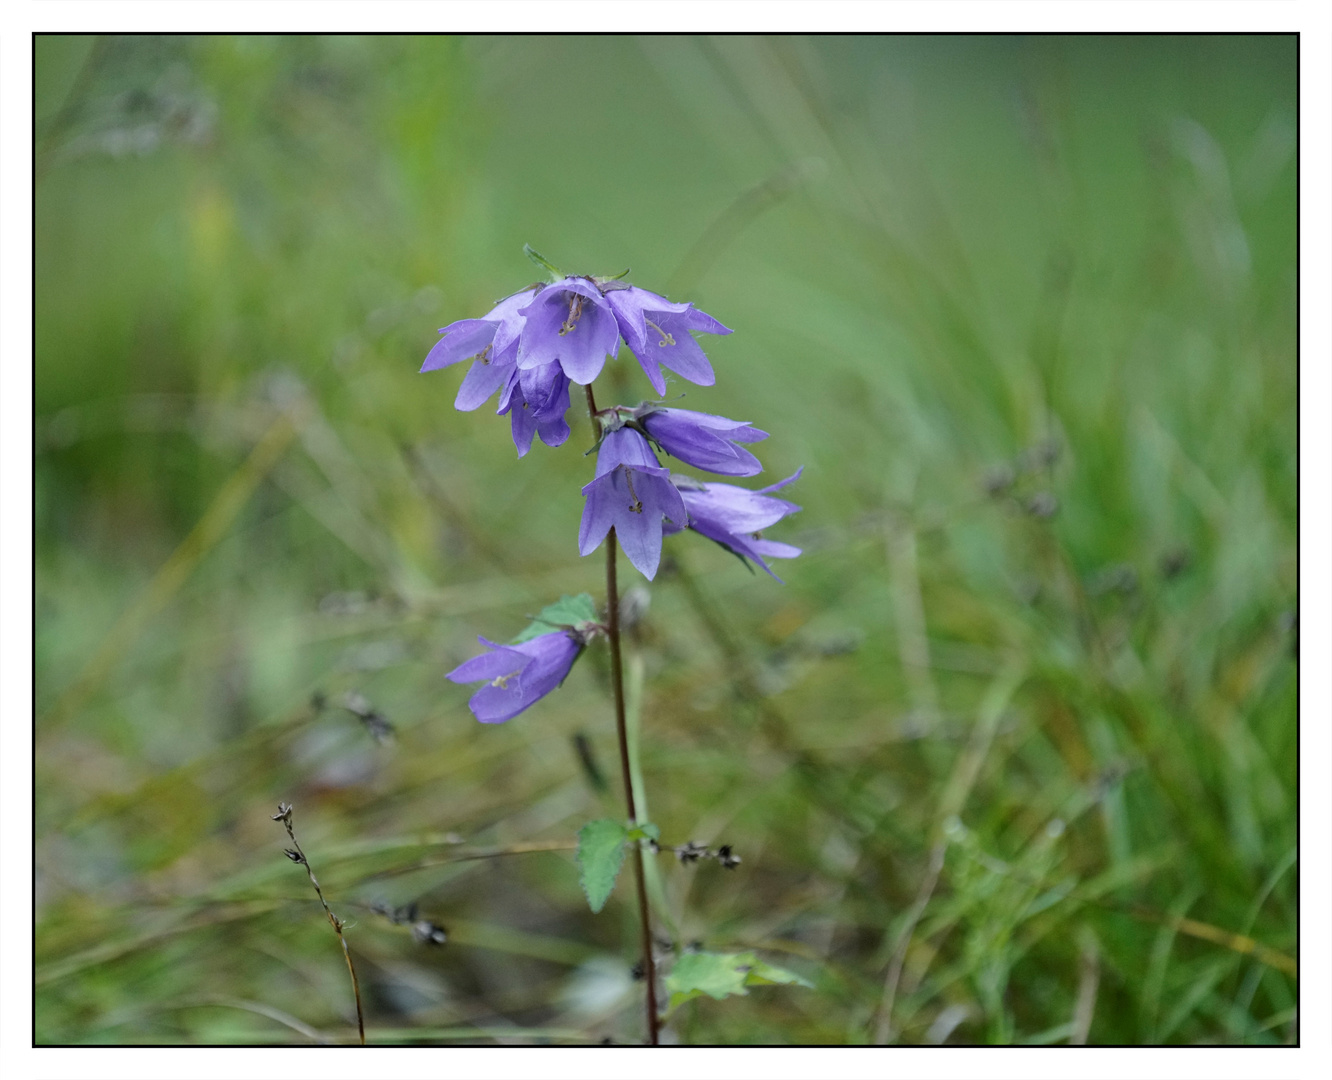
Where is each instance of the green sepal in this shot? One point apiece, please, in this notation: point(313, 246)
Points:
point(556, 274)
point(600, 856)
point(723, 975)
point(576, 612)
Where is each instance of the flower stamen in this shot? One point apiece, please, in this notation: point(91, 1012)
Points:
point(666, 338)
point(502, 681)
point(635, 507)
point(575, 313)
point(484, 354)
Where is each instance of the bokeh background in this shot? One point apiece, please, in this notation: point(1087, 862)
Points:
point(1010, 756)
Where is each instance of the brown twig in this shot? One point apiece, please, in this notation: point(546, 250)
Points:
point(296, 855)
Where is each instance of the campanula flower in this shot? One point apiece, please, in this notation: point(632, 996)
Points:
point(701, 440)
point(491, 342)
point(536, 400)
point(518, 675)
point(569, 322)
point(734, 517)
point(657, 332)
point(632, 493)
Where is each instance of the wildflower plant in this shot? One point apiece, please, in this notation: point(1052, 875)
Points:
point(531, 348)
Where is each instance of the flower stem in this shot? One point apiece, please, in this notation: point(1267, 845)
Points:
point(617, 681)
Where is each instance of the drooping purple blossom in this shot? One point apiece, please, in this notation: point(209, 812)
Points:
point(632, 493)
point(657, 332)
point(702, 440)
point(536, 400)
point(491, 342)
point(735, 517)
point(518, 675)
point(569, 322)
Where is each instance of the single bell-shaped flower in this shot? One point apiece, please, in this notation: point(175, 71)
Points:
point(735, 517)
point(702, 440)
point(658, 333)
point(633, 495)
point(518, 675)
point(571, 323)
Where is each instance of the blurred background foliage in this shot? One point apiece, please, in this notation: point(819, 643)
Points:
point(1009, 758)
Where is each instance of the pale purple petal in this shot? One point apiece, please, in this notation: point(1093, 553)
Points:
point(648, 362)
point(701, 321)
point(774, 549)
point(598, 513)
point(462, 340)
point(523, 425)
point(491, 665)
point(625, 446)
point(482, 380)
point(554, 431)
point(782, 483)
point(640, 537)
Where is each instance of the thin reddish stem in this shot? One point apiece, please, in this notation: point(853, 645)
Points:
point(617, 681)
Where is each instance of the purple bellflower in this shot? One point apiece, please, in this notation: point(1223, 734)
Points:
point(701, 440)
point(490, 342)
point(536, 400)
point(632, 493)
point(569, 322)
point(657, 332)
point(734, 517)
point(518, 675)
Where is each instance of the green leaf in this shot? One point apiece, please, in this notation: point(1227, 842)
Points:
point(764, 974)
point(719, 976)
point(644, 831)
point(600, 856)
point(577, 611)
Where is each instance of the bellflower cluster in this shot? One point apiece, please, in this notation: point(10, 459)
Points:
point(530, 348)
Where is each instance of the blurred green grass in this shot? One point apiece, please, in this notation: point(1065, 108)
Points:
point(1009, 758)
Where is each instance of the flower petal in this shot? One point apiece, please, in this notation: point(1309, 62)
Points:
point(651, 368)
point(491, 665)
point(640, 537)
point(482, 380)
point(462, 340)
point(598, 514)
point(625, 446)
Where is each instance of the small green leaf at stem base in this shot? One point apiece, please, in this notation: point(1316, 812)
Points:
point(578, 612)
point(720, 976)
point(600, 856)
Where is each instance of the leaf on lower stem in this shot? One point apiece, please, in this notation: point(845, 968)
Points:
point(722, 975)
point(600, 856)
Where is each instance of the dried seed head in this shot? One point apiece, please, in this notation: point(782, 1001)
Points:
point(691, 852)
